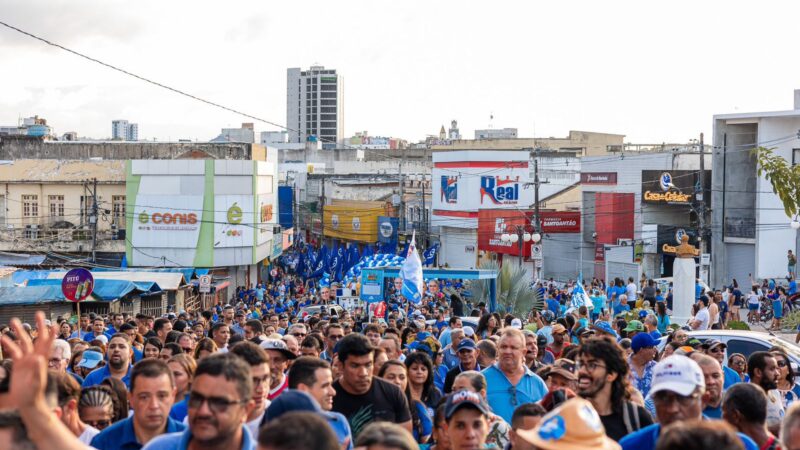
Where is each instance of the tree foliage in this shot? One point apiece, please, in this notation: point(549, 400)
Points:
point(515, 295)
point(784, 177)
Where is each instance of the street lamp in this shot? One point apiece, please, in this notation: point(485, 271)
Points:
point(519, 237)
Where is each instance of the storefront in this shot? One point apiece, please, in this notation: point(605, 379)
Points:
point(202, 213)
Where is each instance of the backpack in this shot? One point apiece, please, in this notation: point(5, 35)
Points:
point(630, 411)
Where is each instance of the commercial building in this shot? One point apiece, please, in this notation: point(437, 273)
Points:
point(496, 133)
point(245, 134)
point(315, 105)
point(751, 230)
point(122, 130)
point(30, 126)
point(203, 213)
point(584, 143)
point(633, 204)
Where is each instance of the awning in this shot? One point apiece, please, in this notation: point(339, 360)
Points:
point(107, 290)
point(21, 276)
point(20, 259)
point(168, 281)
point(23, 295)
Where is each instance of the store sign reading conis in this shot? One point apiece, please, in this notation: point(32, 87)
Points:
point(167, 220)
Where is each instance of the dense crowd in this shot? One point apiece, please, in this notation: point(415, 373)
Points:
point(282, 366)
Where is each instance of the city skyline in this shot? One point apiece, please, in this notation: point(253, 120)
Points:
point(407, 74)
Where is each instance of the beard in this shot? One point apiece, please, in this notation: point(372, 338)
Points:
point(591, 389)
point(117, 363)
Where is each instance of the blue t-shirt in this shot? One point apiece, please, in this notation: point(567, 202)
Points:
point(97, 376)
point(731, 377)
point(645, 439)
point(121, 435)
point(503, 397)
point(792, 287)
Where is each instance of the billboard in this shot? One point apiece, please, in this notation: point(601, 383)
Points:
point(465, 181)
point(352, 221)
point(492, 223)
point(674, 187)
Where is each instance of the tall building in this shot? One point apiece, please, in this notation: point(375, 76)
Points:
point(122, 130)
point(314, 105)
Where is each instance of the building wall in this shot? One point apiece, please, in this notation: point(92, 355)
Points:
point(589, 143)
point(14, 147)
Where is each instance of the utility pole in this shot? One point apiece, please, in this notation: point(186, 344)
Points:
point(402, 209)
point(536, 222)
point(321, 212)
point(93, 221)
point(424, 224)
point(700, 195)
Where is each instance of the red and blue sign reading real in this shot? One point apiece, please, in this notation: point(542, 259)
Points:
point(500, 190)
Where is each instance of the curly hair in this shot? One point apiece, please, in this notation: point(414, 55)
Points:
point(614, 358)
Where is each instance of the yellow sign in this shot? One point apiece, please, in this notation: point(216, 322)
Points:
point(352, 222)
point(668, 197)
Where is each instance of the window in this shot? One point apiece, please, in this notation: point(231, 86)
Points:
point(118, 210)
point(2, 209)
point(56, 204)
point(328, 95)
point(746, 348)
point(30, 209)
point(795, 156)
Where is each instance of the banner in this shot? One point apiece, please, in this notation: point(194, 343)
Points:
point(560, 221)
point(354, 221)
point(492, 223)
point(387, 229)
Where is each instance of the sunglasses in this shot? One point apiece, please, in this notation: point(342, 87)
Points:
point(217, 405)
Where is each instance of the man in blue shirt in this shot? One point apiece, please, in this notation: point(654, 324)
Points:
point(510, 383)
point(151, 397)
point(119, 363)
point(221, 396)
point(716, 349)
point(98, 329)
point(677, 392)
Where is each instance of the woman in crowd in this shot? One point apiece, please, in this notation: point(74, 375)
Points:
point(204, 348)
point(183, 367)
point(738, 362)
point(663, 318)
point(152, 348)
point(120, 397)
point(790, 392)
point(420, 381)
point(487, 326)
point(64, 331)
point(395, 372)
point(96, 407)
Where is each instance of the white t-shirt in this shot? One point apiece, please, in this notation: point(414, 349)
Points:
point(775, 410)
point(88, 434)
point(255, 423)
point(630, 292)
point(703, 317)
point(752, 299)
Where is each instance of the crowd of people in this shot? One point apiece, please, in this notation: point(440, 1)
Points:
point(265, 371)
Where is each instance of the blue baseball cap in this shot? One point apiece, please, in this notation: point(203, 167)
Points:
point(642, 340)
point(642, 314)
point(468, 344)
point(603, 327)
point(90, 359)
point(291, 400)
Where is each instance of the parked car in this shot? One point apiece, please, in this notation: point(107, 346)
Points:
point(467, 321)
point(311, 310)
point(746, 343)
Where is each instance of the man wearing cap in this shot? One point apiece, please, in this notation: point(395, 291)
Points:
point(716, 349)
point(510, 383)
point(575, 425)
point(642, 362)
point(560, 340)
point(119, 363)
point(562, 375)
point(634, 327)
point(239, 321)
point(468, 360)
point(89, 362)
point(279, 357)
point(677, 392)
point(467, 418)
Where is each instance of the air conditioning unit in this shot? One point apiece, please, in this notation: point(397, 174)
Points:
point(625, 242)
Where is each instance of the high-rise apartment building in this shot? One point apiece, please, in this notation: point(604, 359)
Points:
point(314, 105)
point(122, 130)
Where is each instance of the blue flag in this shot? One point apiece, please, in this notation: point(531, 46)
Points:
point(429, 255)
point(411, 273)
point(579, 297)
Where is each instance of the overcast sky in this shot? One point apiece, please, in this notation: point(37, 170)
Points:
point(653, 73)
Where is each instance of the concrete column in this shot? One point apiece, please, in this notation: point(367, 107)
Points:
point(683, 279)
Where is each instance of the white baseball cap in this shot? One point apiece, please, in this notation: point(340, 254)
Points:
point(468, 331)
point(678, 374)
point(516, 323)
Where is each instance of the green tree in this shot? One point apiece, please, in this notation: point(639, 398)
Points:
point(784, 177)
point(515, 295)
